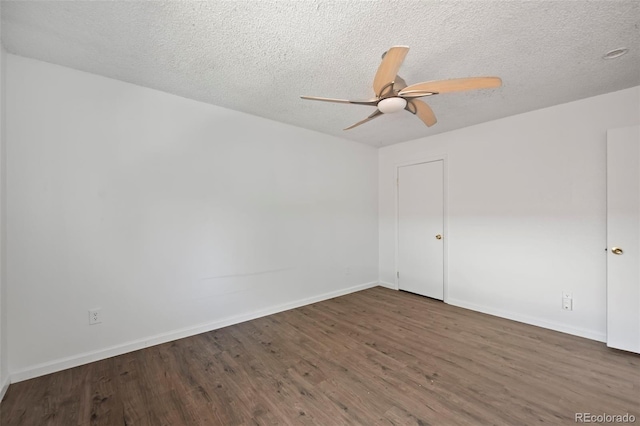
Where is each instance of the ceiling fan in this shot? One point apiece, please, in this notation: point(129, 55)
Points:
point(393, 94)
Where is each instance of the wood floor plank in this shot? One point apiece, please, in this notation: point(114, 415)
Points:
point(376, 357)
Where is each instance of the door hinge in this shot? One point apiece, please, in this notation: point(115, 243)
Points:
point(398, 274)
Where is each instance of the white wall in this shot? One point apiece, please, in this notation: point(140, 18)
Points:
point(4, 366)
point(527, 211)
point(171, 215)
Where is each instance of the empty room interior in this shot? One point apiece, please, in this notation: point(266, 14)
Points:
point(319, 212)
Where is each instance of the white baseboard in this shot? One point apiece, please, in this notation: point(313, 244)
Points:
point(3, 387)
point(87, 357)
point(576, 331)
point(387, 285)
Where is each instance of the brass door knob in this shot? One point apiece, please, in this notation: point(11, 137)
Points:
point(438, 237)
point(616, 250)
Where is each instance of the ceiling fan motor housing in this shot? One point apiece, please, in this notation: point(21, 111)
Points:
point(391, 105)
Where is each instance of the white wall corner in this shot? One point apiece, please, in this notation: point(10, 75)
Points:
point(387, 285)
point(3, 388)
point(4, 375)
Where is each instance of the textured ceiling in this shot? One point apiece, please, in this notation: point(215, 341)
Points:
point(259, 57)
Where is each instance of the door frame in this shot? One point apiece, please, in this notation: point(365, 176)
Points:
point(445, 216)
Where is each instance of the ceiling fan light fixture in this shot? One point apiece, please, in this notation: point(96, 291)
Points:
point(615, 53)
point(391, 105)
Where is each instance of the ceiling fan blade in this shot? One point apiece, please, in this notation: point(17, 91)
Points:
point(389, 68)
point(371, 117)
point(447, 86)
point(422, 110)
point(372, 102)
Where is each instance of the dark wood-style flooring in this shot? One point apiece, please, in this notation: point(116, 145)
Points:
point(376, 357)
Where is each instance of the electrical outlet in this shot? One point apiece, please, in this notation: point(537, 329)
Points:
point(567, 301)
point(95, 316)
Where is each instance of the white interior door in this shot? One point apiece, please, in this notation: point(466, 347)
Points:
point(420, 229)
point(623, 238)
